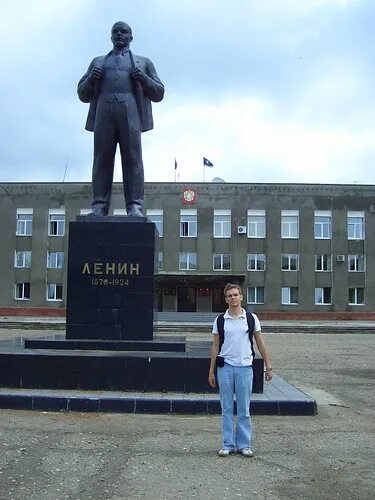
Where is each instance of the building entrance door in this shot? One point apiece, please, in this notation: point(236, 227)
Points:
point(186, 299)
point(218, 302)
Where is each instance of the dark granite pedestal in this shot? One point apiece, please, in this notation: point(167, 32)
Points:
point(110, 289)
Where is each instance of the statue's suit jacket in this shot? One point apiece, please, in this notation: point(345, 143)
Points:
point(152, 90)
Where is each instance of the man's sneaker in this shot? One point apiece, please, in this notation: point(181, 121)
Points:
point(246, 452)
point(223, 452)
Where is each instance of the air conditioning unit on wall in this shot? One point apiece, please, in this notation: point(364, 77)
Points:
point(241, 229)
point(340, 258)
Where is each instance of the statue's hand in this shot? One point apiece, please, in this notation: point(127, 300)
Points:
point(95, 73)
point(139, 75)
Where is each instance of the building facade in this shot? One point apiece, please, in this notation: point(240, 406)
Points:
point(297, 248)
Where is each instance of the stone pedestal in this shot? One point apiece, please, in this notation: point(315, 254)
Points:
point(110, 289)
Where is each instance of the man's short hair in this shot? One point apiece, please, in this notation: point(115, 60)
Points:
point(230, 286)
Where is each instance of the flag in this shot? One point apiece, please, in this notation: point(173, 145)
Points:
point(207, 163)
point(175, 164)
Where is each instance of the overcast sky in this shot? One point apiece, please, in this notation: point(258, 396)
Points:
point(267, 90)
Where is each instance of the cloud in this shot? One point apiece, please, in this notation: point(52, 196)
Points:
point(269, 91)
point(249, 140)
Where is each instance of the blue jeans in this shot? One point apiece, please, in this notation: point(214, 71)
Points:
point(235, 380)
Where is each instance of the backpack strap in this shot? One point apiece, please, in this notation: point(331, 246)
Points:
point(250, 326)
point(220, 329)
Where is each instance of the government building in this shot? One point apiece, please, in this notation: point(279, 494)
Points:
point(293, 248)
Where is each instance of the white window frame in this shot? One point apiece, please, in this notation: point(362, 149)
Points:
point(190, 261)
point(222, 223)
point(356, 225)
point(290, 258)
point(323, 224)
point(222, 256)
point(24, 222)
point(255, 295)
point(256, 224)
point(358, 261)
point(53, 259)
point(259, 261)
point(322, 258)
point(290, 224)
point(157, 217)
point(56, 222)
point(358, 301)
point(24, 256)
point(287, 295)
point(54, 287)
point(23, 288)
point(320, 300)
point(188, 223)
point(120, 212)
point(160, 261)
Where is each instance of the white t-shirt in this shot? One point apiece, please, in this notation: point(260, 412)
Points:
point(236, 348)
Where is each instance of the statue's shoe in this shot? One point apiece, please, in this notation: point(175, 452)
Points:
point(135, 212)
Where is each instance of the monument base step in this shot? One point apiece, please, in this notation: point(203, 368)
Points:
point(165, 344)
point(279, 398)
point(110, 370)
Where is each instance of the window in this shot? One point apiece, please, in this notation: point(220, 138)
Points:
point(256, 262)
point(322, 296)
point(289, 224)
point(356, 296)
point(356, 263)
point(55, 260)
point(255, 294)
point(118, 211)
point(289, 295)
point(188, 223)
point(188, 260)
point(256, 223)
point(160, 261)
point(323, 262)
point(24, 222)
point(54, 292)
point(56, 225)
point(322, 224)
point(22, 291)
point(289, 262)
point(221, 262)
point(222, 223)
point(156, 216)
point(356, 225)
point(22, 258)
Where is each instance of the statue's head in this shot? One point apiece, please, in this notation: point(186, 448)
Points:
point(121, 35)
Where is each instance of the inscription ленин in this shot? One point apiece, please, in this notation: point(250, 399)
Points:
point(113, 268)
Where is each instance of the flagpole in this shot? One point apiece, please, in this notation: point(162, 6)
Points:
point(204, 178)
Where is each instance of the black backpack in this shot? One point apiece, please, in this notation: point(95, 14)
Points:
point(250, 325)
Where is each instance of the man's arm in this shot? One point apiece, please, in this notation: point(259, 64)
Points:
point(214, 354)
point(151, 83)
point(86, 85)
point(263, 352)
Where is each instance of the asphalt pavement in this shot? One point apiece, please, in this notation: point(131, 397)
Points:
point(55, 456)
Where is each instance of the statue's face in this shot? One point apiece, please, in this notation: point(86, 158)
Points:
point(121, 35)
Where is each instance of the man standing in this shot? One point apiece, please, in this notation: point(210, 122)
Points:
point(119, 87)
point(235, 376)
